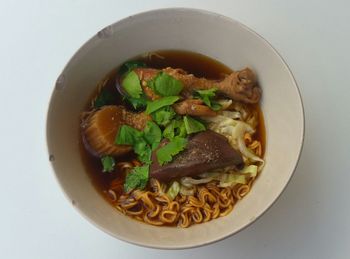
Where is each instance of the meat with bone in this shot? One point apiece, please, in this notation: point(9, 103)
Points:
point(239, 86)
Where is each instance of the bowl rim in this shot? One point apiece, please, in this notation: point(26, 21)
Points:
point(202, 12)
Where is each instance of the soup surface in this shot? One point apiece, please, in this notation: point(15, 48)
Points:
point(220, 133)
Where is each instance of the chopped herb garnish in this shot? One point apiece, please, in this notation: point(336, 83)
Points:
point(131, 84)
point(193, 125)
point(143, 150)
point(159, 103)
point(165, 154)
point(128, 135)
point(137, 178)
point(104, 98)
point(152, 134)
point(164, 115)
point(176, 128)
point(130, 65)
point(108, 163)
point(169, 131)
point(180, 128)
point(165, 85)
point(137, 103)
point(207, 97)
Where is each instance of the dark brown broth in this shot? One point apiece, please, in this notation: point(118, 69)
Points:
point(197, 64)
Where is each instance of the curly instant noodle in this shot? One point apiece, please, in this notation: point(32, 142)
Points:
point(154, 207)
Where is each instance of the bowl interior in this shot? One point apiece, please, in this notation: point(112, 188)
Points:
point(185, 29)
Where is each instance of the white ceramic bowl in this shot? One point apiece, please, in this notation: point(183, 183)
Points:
point(200, 31)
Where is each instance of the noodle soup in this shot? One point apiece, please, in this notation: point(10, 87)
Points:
point(174, 138)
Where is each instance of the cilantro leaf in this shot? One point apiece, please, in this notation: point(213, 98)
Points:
point(143, 150)
point(137, 178)
point(159, 103)
point(128, 136)
point(215, 106)
point(108, 163)
point(152, 134)
point(169, 131)
point(165, 154)
point(176, 128)
point(192, 125)
point(180, 128)
point(130, 65)
point(137, 103)
point(210, 93)
point(207, 97)
point(165, 85)
point(164, 115)
point(144, 155)
point(104, 98)
point(131, 84)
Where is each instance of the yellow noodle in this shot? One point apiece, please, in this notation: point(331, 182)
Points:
point(157, 186)
point(250, 182)
point(224, 202)
point(138, 218)
point(206, 214)
point(247, 138)
point(194, 202)
point(197, 215)
point(120, 209)
point(152, 221)
point(243, 190)
point(163, 199)
point(175, 206)
point(185, 220)
point(216, 211)
point(256, 147)
point(226, 211)
point(215, 190)
point(128, 204)
point(225, 193)
point(234, 194)
point(181, 198)
point(154, 207)
point(168, 216)
point(155, 212)
point(135, 213)
point(205, 195)
point(112, 195)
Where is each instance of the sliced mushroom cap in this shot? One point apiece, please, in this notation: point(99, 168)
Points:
point(101, 127)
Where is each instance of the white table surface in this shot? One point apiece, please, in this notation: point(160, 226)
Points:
point(310, 220)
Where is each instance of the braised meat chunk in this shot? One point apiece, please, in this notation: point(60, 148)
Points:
point(205, 151)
